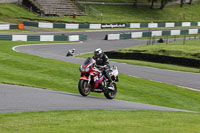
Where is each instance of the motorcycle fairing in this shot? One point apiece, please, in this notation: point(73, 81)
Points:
point(97, 80)
point(84, 78)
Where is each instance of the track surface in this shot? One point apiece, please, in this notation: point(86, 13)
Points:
point(21, 99)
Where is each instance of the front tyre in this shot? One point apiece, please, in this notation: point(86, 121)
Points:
point(111, 94)
point(83, 87)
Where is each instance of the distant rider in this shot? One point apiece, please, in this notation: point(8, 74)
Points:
point(102, 60)
point(70, 52)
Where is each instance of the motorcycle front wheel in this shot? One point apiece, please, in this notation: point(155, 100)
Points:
point(83, 87)
point(111, 94)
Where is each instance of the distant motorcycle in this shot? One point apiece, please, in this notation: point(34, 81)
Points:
point(92, 79)
point(70, 52)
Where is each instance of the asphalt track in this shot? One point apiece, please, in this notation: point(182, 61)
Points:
point(22, 99)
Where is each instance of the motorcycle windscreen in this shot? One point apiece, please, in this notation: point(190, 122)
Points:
point(89, 60)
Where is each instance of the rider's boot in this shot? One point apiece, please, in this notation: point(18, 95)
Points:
point(110, 84)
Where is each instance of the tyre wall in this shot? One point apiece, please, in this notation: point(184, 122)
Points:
point(155, 58)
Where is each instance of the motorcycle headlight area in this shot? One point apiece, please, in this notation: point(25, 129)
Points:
point(84, 69)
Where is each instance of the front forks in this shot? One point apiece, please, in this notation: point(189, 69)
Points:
point(89, 82)
point(89, 79)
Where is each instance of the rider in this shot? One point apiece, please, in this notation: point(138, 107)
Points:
point(70, 52)
point(102, 60)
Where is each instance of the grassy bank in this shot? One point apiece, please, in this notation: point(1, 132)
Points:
point(101, 121)
point(189, 49)
point(12, 13)
point(145, 14)
point(28, 70)
point(111, 14)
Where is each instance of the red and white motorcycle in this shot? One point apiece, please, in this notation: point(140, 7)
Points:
point(93, 80)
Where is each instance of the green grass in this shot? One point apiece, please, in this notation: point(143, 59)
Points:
point(99, 121)
point(16, 31)
point(13, 13)
point(117, 13)
point(111, 14)
point(18, 68)
point(28, 70)
point(191, 49)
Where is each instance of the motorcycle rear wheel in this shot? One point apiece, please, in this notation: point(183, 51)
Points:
point(83, 87)
point(111, 94)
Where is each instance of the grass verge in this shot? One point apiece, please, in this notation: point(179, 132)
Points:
point(16, 31)
point(28, 70)
point(101, 121)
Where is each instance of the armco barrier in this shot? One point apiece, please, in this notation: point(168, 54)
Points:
point(133, 35)
point(8, 26)
point(101, 26)
point(155, 58)
point(43, 37)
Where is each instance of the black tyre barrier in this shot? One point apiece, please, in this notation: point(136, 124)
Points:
point(155, 58)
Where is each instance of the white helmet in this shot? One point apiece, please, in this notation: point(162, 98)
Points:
point(98, 53)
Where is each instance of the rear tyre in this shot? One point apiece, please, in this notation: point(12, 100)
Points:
point(83, 87)
point(111, 94)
